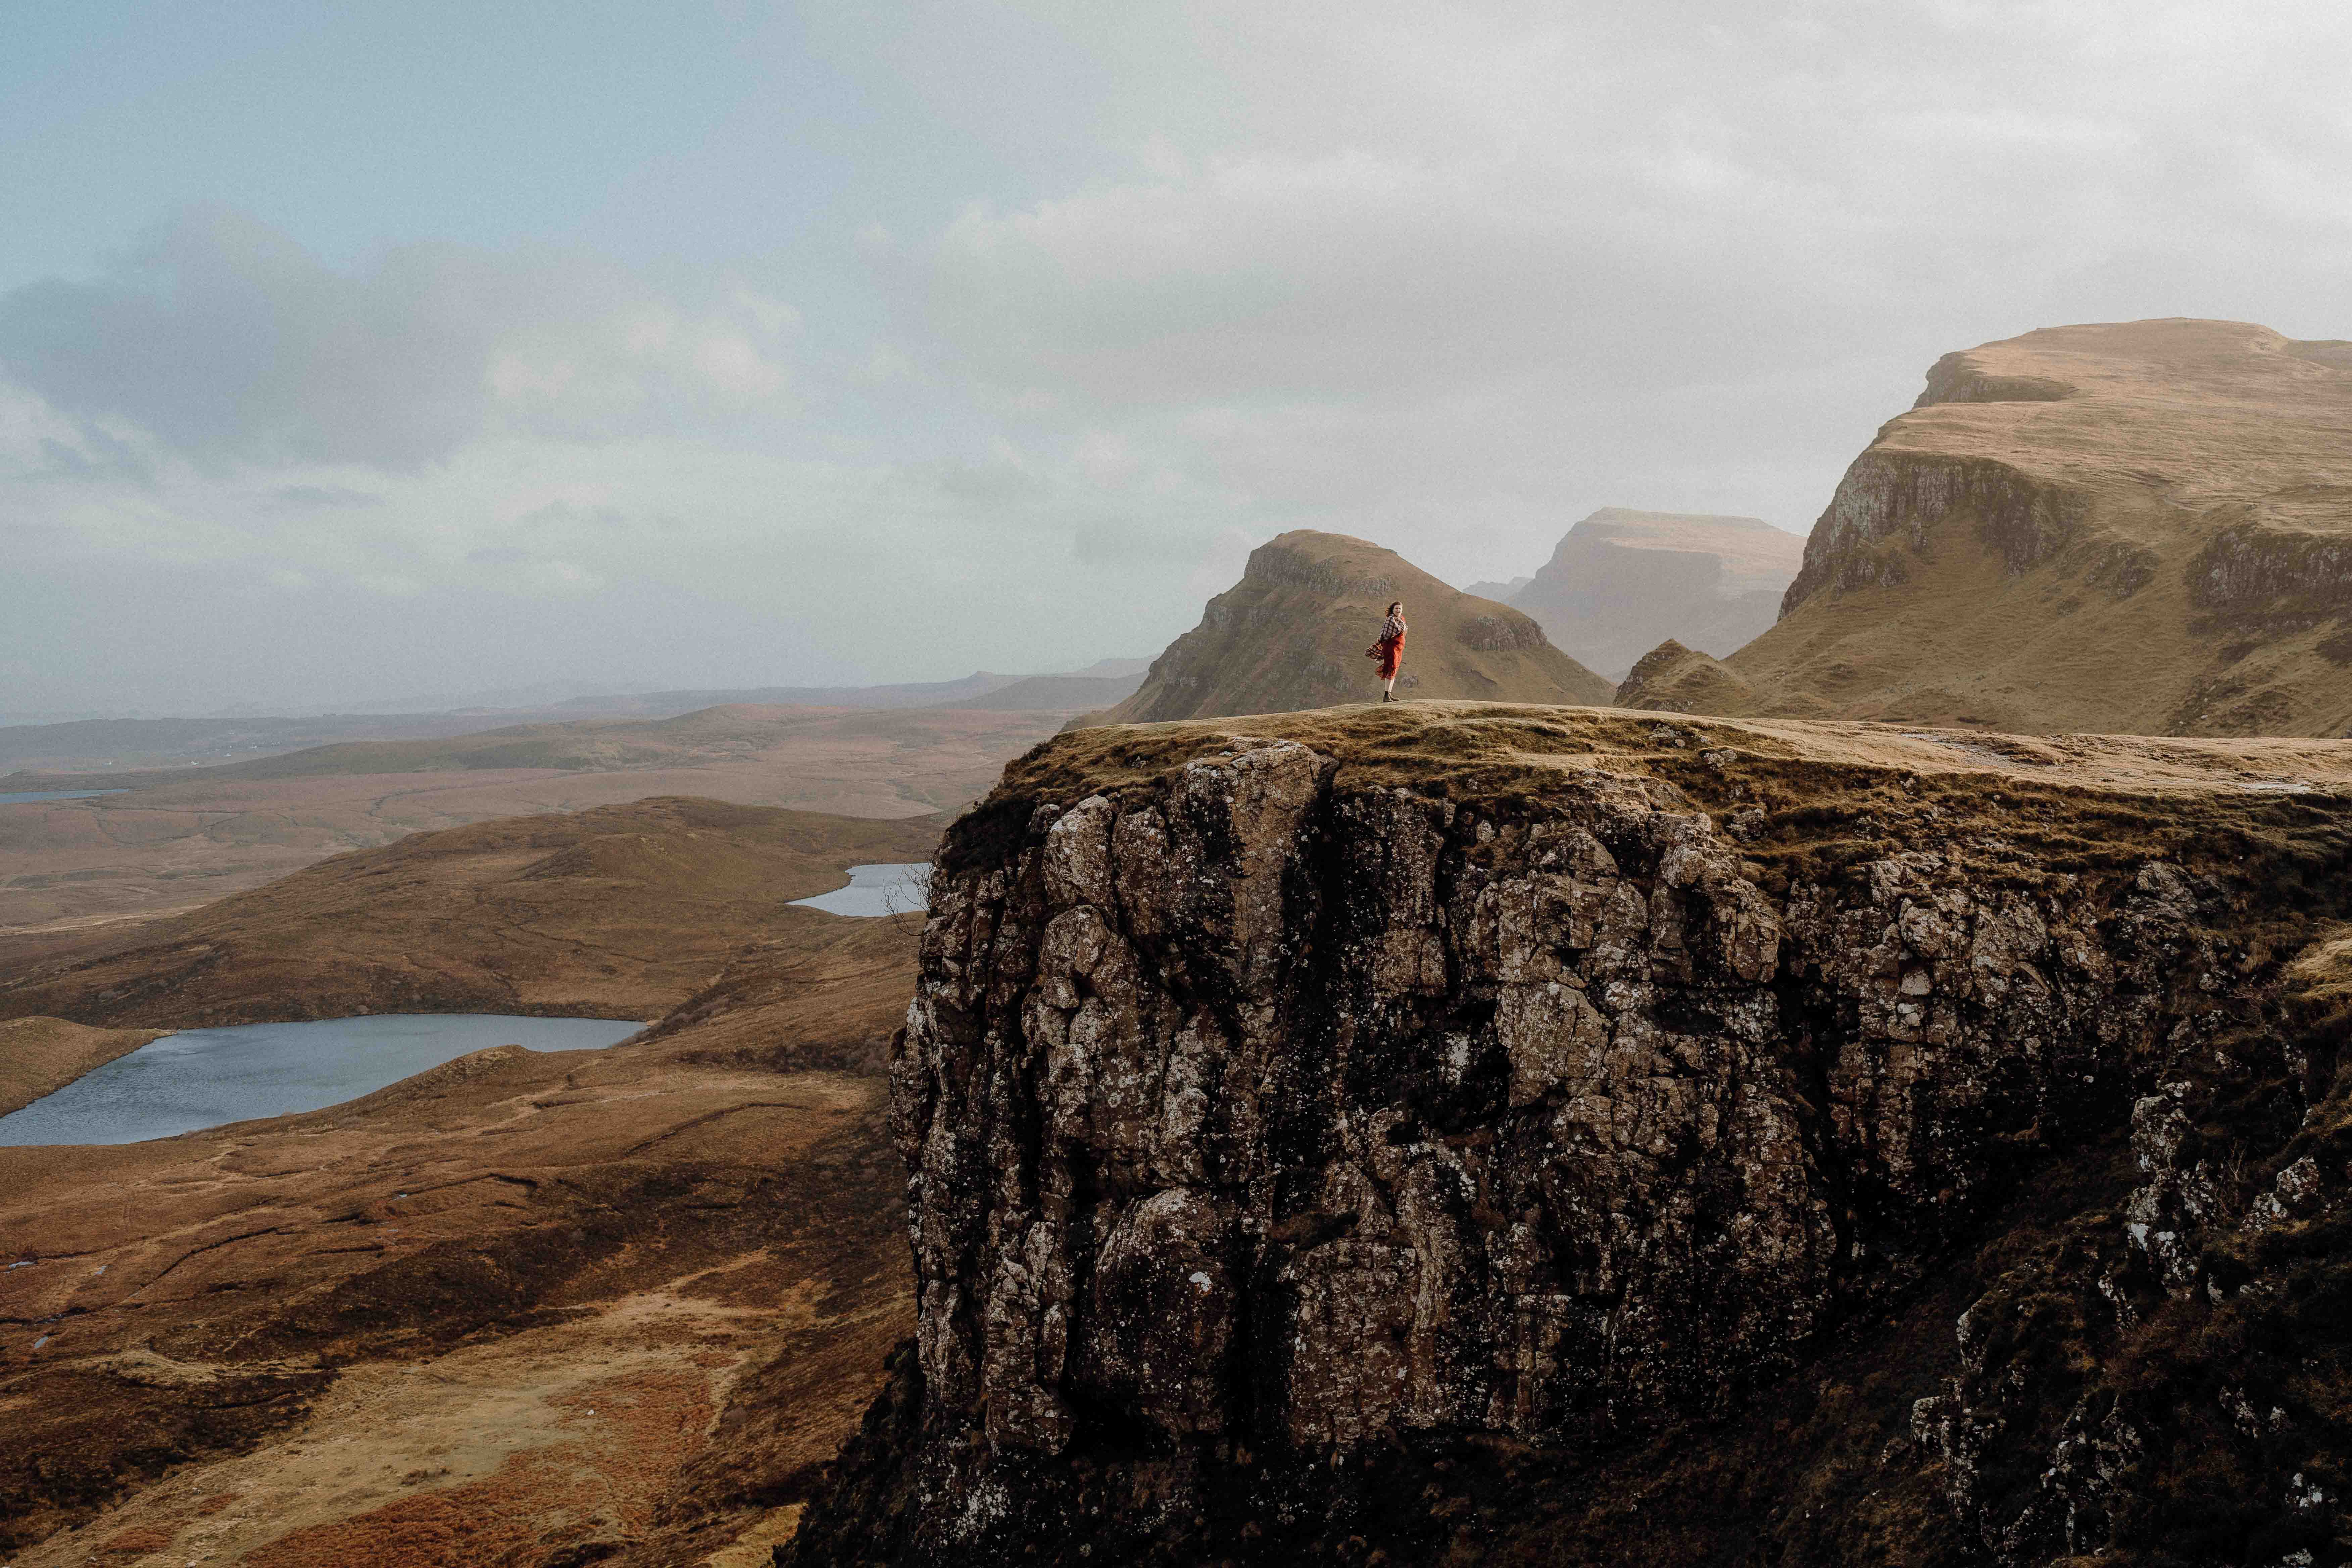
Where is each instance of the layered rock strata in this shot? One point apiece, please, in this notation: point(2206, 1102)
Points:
point(1279, 1103)
point(2141, 526)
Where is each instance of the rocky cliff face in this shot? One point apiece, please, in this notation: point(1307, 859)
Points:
point(1297, 1121)
point(2141, 526)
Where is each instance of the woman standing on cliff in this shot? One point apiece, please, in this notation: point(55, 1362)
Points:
point(1390, 650)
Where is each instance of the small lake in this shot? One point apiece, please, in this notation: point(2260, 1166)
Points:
point(202, 1078)
point(20, 796)
point(876, 890)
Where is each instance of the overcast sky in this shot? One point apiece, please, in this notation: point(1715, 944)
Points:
point(354, 351)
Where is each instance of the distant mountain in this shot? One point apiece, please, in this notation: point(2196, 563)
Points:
point(1043, 693)
point(1292, 633)
point(912, 694)
point(1499, 592)
point(2138, 526)
point(1621, 581)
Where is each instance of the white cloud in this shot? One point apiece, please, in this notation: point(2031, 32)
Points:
point(1114, 293)
point(224, 342)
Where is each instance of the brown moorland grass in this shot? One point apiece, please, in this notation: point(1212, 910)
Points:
point(40, 1055)
point(2141, 526)
point(522, 1305)
point(619, 911)
point(189, 836)
point(1292, 633)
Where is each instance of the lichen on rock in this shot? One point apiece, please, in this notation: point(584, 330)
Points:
point(1262, 1111)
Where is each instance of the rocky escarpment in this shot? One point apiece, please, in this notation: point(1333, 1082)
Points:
point(1879, 522)
point(2140, 526)
point(2269, 575)
point(1349, 1139)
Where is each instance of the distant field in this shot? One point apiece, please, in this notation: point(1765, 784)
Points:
point(186, 836)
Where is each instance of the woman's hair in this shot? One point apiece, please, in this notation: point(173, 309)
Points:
point(1395, 604)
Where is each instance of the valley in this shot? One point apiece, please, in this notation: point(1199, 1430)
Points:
point(383, 1331)
point(182, 838)
point(1874, 1093)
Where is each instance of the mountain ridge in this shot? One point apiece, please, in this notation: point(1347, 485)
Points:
point(2140, 526)
point(1291, 635)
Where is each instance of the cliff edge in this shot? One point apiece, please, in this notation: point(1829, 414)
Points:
point(1465, 1132)
point(2143, 526)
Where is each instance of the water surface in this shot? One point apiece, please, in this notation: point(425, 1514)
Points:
point(202, 1078)
point(876, 890)
point(25, 795)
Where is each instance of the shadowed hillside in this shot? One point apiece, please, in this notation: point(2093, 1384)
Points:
point(2143, 526)
point(1292, 633)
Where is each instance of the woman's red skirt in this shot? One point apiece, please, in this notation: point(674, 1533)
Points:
point(1389, 652)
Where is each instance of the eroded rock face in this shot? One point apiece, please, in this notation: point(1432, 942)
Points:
point(1253, 1116)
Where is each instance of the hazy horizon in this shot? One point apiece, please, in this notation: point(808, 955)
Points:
point(349, 353)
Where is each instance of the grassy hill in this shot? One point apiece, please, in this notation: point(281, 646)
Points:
point(2143, 526)
point(621, 911)
point(1291, 635)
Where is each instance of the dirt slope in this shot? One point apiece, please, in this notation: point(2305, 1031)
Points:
point(623, 911)
point(1621, 581)
point(1292, 633)
point(2143, 526)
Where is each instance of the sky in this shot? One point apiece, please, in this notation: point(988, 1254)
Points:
point(355, 350)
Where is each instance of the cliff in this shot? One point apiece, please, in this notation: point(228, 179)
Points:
point(2141, 526)
point(1621, 581)
point(1463, 1132)
point(1292, 633)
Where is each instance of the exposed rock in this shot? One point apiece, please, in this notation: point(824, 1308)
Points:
point(1292, 633)
point(1291, 1108)
point(2142, 526)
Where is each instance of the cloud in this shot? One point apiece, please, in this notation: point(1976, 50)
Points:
point(312, 498)
point(224, 341)
point(1452, 276)
point(1097, 298)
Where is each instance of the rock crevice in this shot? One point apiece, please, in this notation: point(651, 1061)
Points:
point(1257, 1114)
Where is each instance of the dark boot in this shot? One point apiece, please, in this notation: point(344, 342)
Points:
point(1387, 696)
